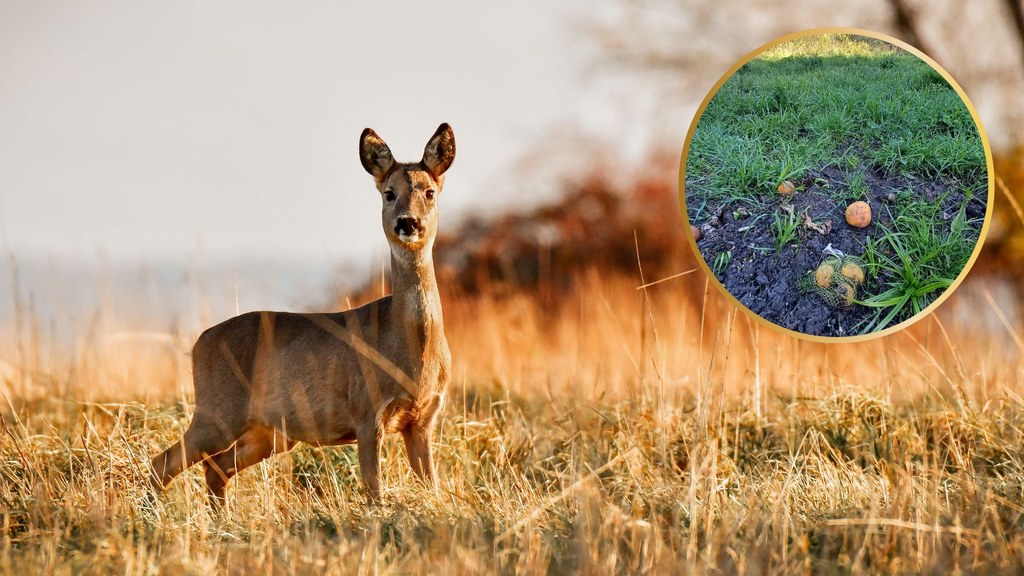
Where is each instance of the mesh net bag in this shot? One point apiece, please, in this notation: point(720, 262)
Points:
point(836, 280)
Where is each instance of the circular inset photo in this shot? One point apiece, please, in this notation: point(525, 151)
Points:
point(837, 184)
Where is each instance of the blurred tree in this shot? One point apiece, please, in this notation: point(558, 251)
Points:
point(687, 45)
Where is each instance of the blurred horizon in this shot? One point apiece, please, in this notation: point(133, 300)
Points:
point(204, 157)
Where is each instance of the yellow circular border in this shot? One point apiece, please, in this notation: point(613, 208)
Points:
point(989, 203)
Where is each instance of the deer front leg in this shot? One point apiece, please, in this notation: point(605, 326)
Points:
point(417, 445)
point(257, 444)
point(368, 447)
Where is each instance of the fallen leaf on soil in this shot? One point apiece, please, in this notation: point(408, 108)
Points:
point(824, 228)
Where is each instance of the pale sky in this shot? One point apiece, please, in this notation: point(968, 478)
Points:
point(150, 130)
point(218, 135)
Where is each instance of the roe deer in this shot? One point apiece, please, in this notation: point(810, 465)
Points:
point(265, 380)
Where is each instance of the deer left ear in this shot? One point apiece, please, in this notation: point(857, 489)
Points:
point(375, 155)
point(440, 151)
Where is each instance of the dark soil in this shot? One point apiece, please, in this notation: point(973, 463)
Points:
point(778, 285)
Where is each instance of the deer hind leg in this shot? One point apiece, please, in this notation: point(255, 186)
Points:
point(204, 437)
point(255, 445)
point(418, 437)
point(417, 446)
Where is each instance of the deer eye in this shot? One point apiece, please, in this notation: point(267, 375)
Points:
point(389, 195)
point(429, 194)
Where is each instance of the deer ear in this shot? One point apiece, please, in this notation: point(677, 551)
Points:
point(440, 151)
point(375, 155)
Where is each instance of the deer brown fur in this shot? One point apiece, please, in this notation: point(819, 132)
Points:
point(265, 380)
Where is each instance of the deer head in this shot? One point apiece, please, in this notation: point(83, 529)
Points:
point(409, 191)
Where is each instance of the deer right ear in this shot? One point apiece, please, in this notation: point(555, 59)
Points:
point(440, 151)
point(375, 155)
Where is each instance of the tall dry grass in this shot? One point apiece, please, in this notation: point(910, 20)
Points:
point(608, 430)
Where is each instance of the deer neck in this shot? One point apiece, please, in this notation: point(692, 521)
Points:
point(416, 304)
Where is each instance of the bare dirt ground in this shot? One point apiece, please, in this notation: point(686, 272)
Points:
point(776, 284)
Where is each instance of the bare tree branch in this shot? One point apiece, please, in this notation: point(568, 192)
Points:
point(1017, 16)
point(906, 21)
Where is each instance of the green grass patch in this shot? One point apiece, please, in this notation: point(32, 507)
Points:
point(785, 227)
point(839, 100)
point(917, 258)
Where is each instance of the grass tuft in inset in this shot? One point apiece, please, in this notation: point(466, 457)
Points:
point(917, 257)
point(785, 226)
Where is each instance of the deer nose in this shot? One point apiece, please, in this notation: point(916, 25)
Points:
point(408, 225)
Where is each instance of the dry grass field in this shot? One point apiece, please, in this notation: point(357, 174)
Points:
point(617, 431)
point(591, 427)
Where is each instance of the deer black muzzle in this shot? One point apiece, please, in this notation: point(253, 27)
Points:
point(408, 226)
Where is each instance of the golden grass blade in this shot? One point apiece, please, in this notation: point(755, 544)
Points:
point(1013, 201)
point(537, 511)
point(667, 278)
